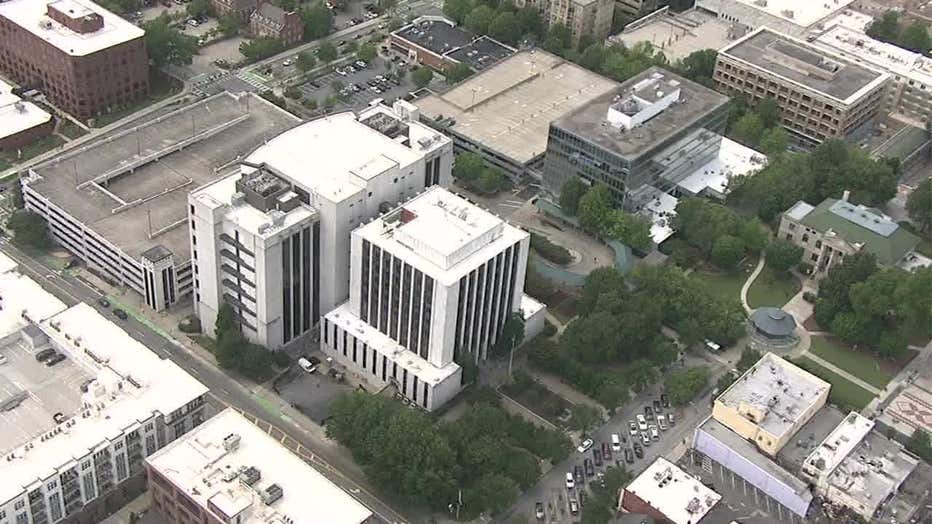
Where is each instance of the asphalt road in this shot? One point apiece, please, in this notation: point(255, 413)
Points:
point(223, 388)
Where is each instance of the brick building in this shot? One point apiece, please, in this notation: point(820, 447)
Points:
point(245, 8)
point(271, 21)
point(86, 60)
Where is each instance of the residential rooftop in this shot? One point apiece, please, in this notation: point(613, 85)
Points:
point(677, 35)
point(126, 384)
point(32, 16)
point(131, 186)
point(229, 465)
point(858, 47)
point(444, 235)
point(336, 156)
point(642, 113)
point(776, 392)
point(680, 497)
point(508, 107)
point(803, 64)
point(18, 115)
point(859, 224)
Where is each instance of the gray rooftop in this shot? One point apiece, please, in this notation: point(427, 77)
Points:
point(481, 53)
point(695, 103)
point(809, 437)
point(804, 64)
point(773, 321)
point(147, 207)
point(435, 35)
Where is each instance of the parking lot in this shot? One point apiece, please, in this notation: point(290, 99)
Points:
point(356, 87)
point(311, 393)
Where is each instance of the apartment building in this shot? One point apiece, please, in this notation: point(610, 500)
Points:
point(85, 59)
point(640, 139)
point(271, 21)
point(837, 228)
point(273, 239)
point(820, 94)
point(592, 18)
point(76, 433)
point(230, 470)
point(432, 278)
point(119, 203)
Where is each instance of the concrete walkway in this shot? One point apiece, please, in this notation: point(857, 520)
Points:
point(835, 369)
point(747, 284)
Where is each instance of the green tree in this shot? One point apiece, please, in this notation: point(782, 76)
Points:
point(916, 37)
point(505, 28)
point(261, 48)
point(595, 209)
point(366, 52)
point(698, 66)
point(306, 61)
point(570, 194)
point(599, 281)
point(318, 23)
point(468, 167)
point(456, 73)
point(585, 417)
point(782, 255)
point(422, 76)
point(727, 251)
point(230, 24)
point(913, 299)
point(754, 235)
point(29, 229)
point(457, 10)
point(593, 57)
point(558, 39)
point(886, 28)
point(529, 21)
point(16, 195)
point(632, 230)
point(229, 346)
point(479, 19)
point(769, 112)
point(684, 386)
point(491, 180)
point(920, 444)
point(748, 130)
point(327, 53)
point(774, 141)
point(511, 335)
point(166, 45)
point(493, 492)
point(198, 8)
point(919, 206)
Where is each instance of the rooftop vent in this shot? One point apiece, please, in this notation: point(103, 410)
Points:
point(271, 494)
point(250, 475)
point(231, 442)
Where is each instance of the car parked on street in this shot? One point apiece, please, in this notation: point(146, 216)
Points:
point(55, 359)
point(45, 354)
point(574, 507)
point(539, 510)
point(120, 314)
point(670, 419)
point(606, 451)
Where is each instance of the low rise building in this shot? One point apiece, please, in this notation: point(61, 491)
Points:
point(503, 112)
point(21, 121)
point(770, 402)
point(668, 494)
point(837, 228)
point(640, 139)
point(785, 16)
point(271, 21)
point(85, 59)
point(437, 42)
point(244, 8)
point(431, 281)
point(343, 169)
point(229, 470)
point(590, 18)
point(77, 432)
point(857, 469)
point(910, 409)
point(676, 35)
point(119, 202)
point(821, 95)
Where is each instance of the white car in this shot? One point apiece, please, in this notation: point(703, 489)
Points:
point(570, 483)
point(585, 445)
point(632, 428)
point(616, 443)
point(289, 62)
point(662, 422)
point(642, 422)
point(340, 72)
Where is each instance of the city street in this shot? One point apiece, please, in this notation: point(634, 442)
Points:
point(327, 457)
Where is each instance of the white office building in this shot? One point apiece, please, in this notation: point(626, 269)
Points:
point(76, 432)
point(279, 252)
point(435, 276)
point(230, 470)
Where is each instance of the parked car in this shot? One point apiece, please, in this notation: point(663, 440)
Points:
point(606, 451)
point(597, 456)
point(662, 422)
point(45, 354)
point(578, 473)
point(648, 413)
point(360, 64)
point(58, 418)
point(638, 450)
point(657, 407)
point(193, 23)
point(642, 422)
point(616, 443)
point(665, 400)
point(574, 507)
point(55, 359)
point(632, 428)
point(670, 419)
point(629, 456)
point(570, 483)
point(645, 438)
point(539, 510)
point(339, 71)
point(654, 432)
point(584, 445)
point(309, 364)
point(288, 62)
point(587, 465)
point(120, 314)
point(712, 346)
point(103, 302)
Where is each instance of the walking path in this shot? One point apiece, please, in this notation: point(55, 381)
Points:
point(749, 281)
point(835, 369)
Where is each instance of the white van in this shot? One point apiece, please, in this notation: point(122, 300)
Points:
point(307, 365)
point(616, 442)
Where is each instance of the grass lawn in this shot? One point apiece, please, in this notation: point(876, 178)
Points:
point(566, 309)
point(72, 131)
point(844, 393)
point(536, 397)
point(772, 289)
point(864, 365)
point(726, 285)
point(9, 158)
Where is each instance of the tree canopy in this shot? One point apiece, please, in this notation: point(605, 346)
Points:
point(456, 73)
point(685, 385)
point(318, 23)
point(327, 52)
point(888, 28)
point(166, 45)
point(422, 76)
point(570, 194)
point(698, 66)
point(782, 255)
point(261, 48)
point(29, 230)
point(919, 206)
point(234, 352)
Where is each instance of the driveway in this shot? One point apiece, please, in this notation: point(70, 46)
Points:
point(311, 393)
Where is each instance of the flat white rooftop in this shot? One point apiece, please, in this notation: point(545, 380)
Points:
point(677, 35)
point(131, 384)
point(838, 445)
point(660, 211)
point(778, 390)
point(733, 160)
point(31, 16)
point(16, 114)
point(344, 317)
point(6, 264)
point(797, 12)
point(337, 155)
point(858, 47)
point(441, 233)
point(206, 464)
point(680, 497)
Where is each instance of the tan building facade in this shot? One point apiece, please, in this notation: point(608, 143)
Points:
point(583, 17)
point(821, 96)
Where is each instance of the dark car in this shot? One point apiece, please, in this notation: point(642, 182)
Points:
point(648, 413)
point(578, 473)
point(587, 464)
point(45, 354)
point(629, 456)
point(657, 407)
point(103, 302)
point(606, 451)
point(58, 418)
point(120, 314)
point(665, 400)
point(638, 450)
point(597, 455)
point(583, 496)
point(55, 359)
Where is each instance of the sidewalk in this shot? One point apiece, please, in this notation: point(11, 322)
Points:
point(837, 370)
